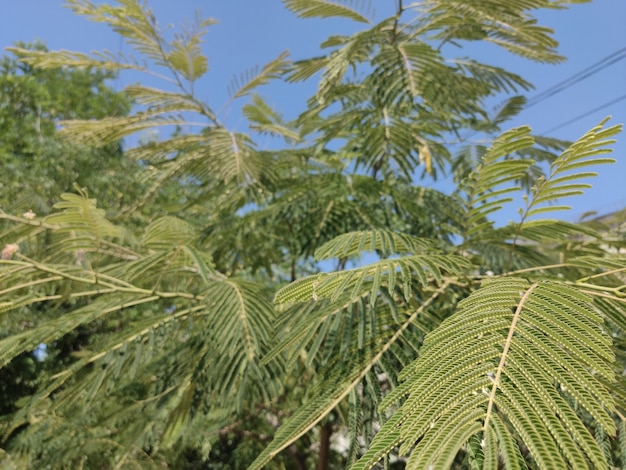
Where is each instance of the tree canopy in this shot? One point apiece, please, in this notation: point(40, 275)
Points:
point(207, 303)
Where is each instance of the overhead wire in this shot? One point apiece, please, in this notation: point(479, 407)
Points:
point(607, 61)
point(585, 114)
point(578, 77)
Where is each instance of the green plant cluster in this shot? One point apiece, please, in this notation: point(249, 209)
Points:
point(174, 306)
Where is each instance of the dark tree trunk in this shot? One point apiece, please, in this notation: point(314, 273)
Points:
point(298, 458)
point(325, 433)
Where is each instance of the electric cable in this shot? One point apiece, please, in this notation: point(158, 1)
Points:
point(587, 72)
point(607, 61)
point(585, 114)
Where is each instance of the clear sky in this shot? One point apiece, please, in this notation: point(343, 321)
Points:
point(253, 32)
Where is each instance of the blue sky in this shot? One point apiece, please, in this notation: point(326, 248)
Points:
point(253, 32)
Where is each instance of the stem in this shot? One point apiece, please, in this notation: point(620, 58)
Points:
point(98, 280)
point(505, 351)
point(399, 10)
point(606, 273)
point(534, 268)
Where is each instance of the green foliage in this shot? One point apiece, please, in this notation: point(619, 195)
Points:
point(439, 339)
point(325, 9)
point(530, 351)
point(556, 307)
point(32, 101)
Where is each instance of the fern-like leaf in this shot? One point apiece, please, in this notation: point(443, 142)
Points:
point(264, 119)
point(486, 187)
point(85, 224)
point(186, 57)
point(328, 9)
point(55, 59)
point(509, 362)
point(563, 180)
point(425, 268)
point(340, 378)
point(384, 241)
point(255, 78)
point(166, 232)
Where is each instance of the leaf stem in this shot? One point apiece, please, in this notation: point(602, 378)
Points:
point(507, 345)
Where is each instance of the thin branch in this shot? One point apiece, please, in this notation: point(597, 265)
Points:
point(618, 291)
point(606, 273)
point(605, 296)
point(98, 280)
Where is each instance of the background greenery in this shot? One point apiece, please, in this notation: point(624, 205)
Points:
point(163, 304)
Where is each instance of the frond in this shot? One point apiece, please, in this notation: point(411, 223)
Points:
point(509, 26)
point(428, 213)
point(186, 57)
point(326, 396)
point(342, 374)
point(154, 98)
point(563, 180)
point(106, 130)
point(131, 20)
point(383, 241)
point(613, 265)
point(56, 59)
point(486, 187)
point(322, 206)
point(233, 157)
point(166, 232)
point(425, 268)
point(159, 153)
point(509, 109)
point(320, 328)
point(405, 68)
point(529, 353)
point(546, 230)
point(563, 177)
point(255, 78)
point(386, 140)
point(355, 50)
point(355, 10)
point(303, 69)
point(216, 154)
point(53, 329)
point(264, 119)
point(242, 317)
point(85, 225)
point(502, 80)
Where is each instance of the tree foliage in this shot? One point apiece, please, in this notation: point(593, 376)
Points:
point(203, 329)
point(38, 165)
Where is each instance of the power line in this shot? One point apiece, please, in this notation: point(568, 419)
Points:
point(607, 61)
point(584, 115)
point(578, 77)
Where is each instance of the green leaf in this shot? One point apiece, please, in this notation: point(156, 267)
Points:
point(168, 231)
point(528, 350)
point(255, 78)
point(328, 9)
point(426, 269)
point(180, 417)
point(186, 57)
point(384, 241)
point(563, 171)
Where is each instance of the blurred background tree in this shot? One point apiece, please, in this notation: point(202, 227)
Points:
point(37, 166)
